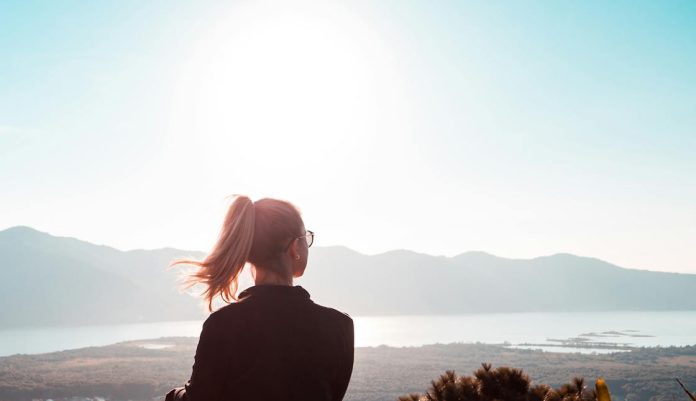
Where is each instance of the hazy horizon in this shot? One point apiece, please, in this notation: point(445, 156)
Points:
point(464, 252)
point(516, 129)
point(136, 287)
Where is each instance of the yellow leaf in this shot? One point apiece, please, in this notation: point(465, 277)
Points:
point(602, 390)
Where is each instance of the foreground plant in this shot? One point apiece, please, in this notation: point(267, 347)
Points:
point(693, 398)
point(506, 384)
point(602, 390)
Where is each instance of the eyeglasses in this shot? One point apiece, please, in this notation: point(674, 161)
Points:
point(309, 236)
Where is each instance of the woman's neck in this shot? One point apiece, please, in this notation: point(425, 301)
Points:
point(263, 277)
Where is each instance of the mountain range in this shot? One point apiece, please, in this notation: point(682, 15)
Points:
point(49, 281)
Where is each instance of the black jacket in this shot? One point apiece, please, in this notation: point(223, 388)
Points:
point(273, 344)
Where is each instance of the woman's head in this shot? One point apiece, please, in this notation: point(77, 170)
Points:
point(267, 233)
point(276, 224)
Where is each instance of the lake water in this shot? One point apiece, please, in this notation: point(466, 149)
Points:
point(561, 332)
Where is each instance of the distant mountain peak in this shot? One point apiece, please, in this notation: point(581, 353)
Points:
point(23, 233)
point(21, 229)
point(28, 234)
point(482, 254)
point(569, 257)
point(563, 255)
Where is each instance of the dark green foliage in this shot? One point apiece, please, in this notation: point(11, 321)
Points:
point(500, 384)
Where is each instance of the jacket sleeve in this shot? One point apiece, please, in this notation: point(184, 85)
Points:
point(210, 366)
point(345, 363)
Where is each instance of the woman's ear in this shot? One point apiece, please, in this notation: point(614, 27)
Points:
point(295, 250)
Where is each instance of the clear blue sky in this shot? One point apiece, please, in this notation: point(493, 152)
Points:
point(517, 128)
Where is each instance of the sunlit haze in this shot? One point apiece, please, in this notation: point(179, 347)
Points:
point(520, 129)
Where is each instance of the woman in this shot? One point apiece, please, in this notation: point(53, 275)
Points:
point(274, 343)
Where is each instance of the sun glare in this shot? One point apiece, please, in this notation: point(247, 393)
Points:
point(287, 101)
point(266, 81)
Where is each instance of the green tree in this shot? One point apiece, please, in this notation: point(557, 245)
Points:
point(500, 384)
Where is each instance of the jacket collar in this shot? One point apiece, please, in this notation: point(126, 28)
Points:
point(275, 290)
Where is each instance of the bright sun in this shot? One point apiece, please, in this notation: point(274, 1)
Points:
point(265, 79)
point(289, 101)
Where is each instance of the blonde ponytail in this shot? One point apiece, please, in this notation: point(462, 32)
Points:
point(220, 270)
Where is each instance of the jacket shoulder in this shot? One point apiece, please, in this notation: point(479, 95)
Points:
point(232, 311)
point(334, 314)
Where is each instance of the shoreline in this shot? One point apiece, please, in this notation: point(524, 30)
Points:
point(127, 370)
point(157, 343)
